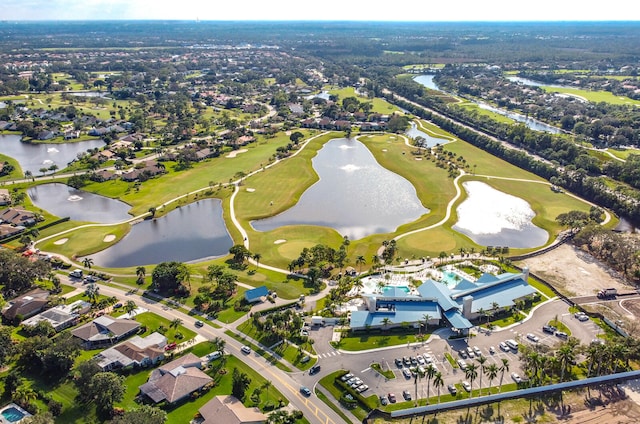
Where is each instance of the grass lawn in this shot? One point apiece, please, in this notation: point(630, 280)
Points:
point(560, 326)
point(387, 373)
point(329, 384)
point(623, 153)
point(162, 325)
point(475, 109)
point(332, 405)
point(272, 359)
point(379, 105)
point(363, 340)
point(17, 171)
point(593, 96)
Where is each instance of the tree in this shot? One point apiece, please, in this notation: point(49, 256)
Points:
point(471, 373)
point(6, 345)
point(168, 276)
point(23, 396)
point(481, 360)
point(240, 253)
point(386, 321)
point(18, 273)
point(360, 260)
point(92, 292)
point(438, 382)
point(257, 257)
point(175, 323)
point(141, 272)
point(130, 306)
point(503, 368)
point(107, 388)
point(492, 372)
point(83, 374)
point(430, 372)
point(296, 137)
point(239, 383)
point(144, 414)
point(87, 262)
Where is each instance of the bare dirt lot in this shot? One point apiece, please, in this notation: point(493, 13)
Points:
point(573, 272)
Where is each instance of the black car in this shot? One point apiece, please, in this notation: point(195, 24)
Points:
point(452, 389)
point(549, 329)
point(406, 395)
point(314, 369)
point(383, 400)
point(398, 362)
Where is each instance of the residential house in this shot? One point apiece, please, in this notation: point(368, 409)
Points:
point(26, 305)
point(228, 409)
point(105, 330)
point(61, 316)
point(176, 380)
point(5, 197)
point(46, 135)
point(17, 216)
point(256, 295)
point(7, 230)
point(137, 352)
point(71, 134)
point(103, 175)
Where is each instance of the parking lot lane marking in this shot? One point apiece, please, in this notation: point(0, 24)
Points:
point(366, 369)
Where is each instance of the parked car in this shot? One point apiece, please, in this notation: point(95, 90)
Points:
point(533, 337)
point(549, 329)
point(452, 389)
point(414, 360)
point(171, 346)
point(91, 279)
point(406, 360)
point(214, 355)
point(516, 377)
point(245, 349)
point(463, 353)
point(462, 364)
point(305, 359)
point(492, 350)
point(421, 360)
point(581, 316)
point(362, 388)
point(117, 305)
point(399, 362)
point(562, 335)
point(305, 391)
point(504, 346)
point(466, 386)
point(427, 358)
point(406, 372)
point(477, 351)
point(470, 352)
point(383, 400)
point(392, 397)
point(406, 395)
point(346, 377)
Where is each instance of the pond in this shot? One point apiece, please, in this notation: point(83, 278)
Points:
point(64, 201)
point(355, 195)
point(32, 157)
point(191, 233)
point(430, 141)
point(492, 218)
point(427, 81)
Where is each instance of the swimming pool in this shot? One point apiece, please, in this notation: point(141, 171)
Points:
point(12, 414)
point(403, 288)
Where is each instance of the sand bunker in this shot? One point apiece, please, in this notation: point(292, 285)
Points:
point(109, 238)
point(235, 153)
point(61, 241)
point(279, 241)
point(251, 190)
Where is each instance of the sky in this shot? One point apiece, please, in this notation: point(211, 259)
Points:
point(407, 10)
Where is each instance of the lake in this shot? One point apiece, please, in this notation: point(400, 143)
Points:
point(355, 195)
point(191, 233)
point(492, 218)
point(64, 201)
point(32, 157)
point(414, 132)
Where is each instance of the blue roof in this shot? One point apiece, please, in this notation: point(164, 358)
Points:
point(410, 312)
point(439, 292)
point(503, 294)
point(255, 294)
point(456, 319)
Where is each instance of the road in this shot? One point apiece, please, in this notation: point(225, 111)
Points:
point(313, 409)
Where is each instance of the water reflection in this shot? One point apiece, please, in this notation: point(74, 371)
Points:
point(193, 232)
point(64, 201)
point(493, 218)
point(33, 157)
point(430, 141)
point(355, 195)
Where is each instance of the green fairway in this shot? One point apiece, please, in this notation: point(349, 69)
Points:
point(593, 96)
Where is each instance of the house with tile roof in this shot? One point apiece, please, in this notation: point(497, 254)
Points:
point(104, 331)
point(135, 352)
point(228, 409)
point(176, 380)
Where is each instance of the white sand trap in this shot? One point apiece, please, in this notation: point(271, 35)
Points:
point(384, 150)
point(279, 241)
point(418, 158)
point(109, 238)
point(61, 241)
point(235, 153)
point(251, 190)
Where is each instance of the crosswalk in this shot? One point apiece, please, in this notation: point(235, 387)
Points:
point(329, 354)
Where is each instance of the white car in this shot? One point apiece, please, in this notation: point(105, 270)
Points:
point(533, 337)
point(492, 350)
point(516, 377)
point(428, 359)
point(421, 360)
point(466, 386)
point(245, 349)
point(504, 347)
point(477, 351)
point(462, 364)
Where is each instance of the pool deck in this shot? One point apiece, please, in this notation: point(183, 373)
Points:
point(3, 420)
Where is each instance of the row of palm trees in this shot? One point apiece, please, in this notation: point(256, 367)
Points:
point(472, 372)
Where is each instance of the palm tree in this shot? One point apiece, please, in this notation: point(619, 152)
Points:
point(481, 360)
point(87, 262)
point(430, 372)
point(24, 395)
point(565, 356)
point(386, 321)
point(438, 382)
point(426, 318)
point(266, 386)
point(358, 285)
point(360, 260)
point(504, 367)
point(92, 292)
point(130, 306)
point(141, 272)
point(471, 373)
point(492, 372)
point(257, 257)
point(175, 323)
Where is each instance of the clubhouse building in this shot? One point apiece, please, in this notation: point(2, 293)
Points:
point(435, 301)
